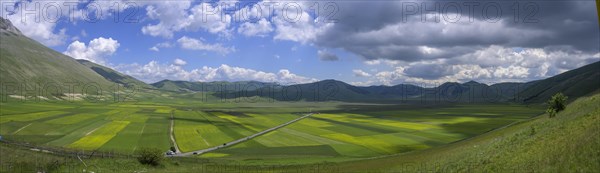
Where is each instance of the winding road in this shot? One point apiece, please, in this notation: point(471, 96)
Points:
point(232, 143)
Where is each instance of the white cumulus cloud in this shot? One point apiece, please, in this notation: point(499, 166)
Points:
point(97, 50)
point(179, 62)
point(155, 71)
point(175, 16)
point(196, 44)
point(360, 73)
point(40, 27)
point(260, 28)
point(492, 64)
point(157, 47)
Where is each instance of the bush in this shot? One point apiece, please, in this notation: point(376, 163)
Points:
point(173, 149)
point(551, 112)
point(150, 156)
point(556, 104)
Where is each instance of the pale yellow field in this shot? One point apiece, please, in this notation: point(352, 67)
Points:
point(100, 136)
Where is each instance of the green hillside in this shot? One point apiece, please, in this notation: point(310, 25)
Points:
point(186, 86)
point(26, 64)
point(569, 142)
point(473, 91)
point(115, 76)
point(325, 90)
point(333, 90)
point(574, 83)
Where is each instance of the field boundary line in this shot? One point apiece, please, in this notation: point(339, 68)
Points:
point(240, 140)
point(21, 128)
point(90, 132)
point(206, 142)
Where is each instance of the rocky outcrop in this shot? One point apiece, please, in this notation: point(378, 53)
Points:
point(7, 27)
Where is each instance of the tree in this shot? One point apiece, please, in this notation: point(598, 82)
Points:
point(150, 156)
point(556, 104)
point(173, 149)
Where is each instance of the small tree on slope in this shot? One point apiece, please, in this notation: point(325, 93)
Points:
point(556, 104)
point(149, 156)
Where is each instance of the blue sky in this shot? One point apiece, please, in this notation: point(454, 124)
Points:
point(368, 43)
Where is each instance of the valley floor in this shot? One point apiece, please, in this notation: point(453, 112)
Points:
point(337, 132)
point(570, 142)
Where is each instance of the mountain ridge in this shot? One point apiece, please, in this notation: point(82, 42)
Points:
point(29, 68)
point(115, 76)
point(470, 91)
point(573, 83)
point(25, 60)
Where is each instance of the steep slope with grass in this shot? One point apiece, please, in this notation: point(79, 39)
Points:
point(569, 142)
point(115, 76)
point(574, 83)
point(25, 63)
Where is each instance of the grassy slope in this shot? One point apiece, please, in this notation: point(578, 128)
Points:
point(574, 83)
point(27, 62)
point(569, 142)
point(115, 76)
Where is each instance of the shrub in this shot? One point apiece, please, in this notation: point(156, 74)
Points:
point(173, 149)
point(556, 104)
point(150, 156)
point(551, 112)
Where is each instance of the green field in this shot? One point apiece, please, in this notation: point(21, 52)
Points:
point(369, 130)
point(107, 127)
point(565, 143)
point(374, 133)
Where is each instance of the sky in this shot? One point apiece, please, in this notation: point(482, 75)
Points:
point(357, 41)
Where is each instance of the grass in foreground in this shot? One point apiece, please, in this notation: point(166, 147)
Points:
point(570, 142)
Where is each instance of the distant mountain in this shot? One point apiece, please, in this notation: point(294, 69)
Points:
point(402, 90)
point(574, 83)
point(321, 91)
point(27, 66)
point(115, 76)
point(218, 86)
point(333, 90)
point(473, 91)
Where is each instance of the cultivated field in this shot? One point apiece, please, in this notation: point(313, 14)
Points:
point(570, 140)
point(333, 133)
point(371, 132)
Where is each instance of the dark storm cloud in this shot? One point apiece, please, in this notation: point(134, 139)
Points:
point(429, 71)
point(390, 30)
point(326, 56)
